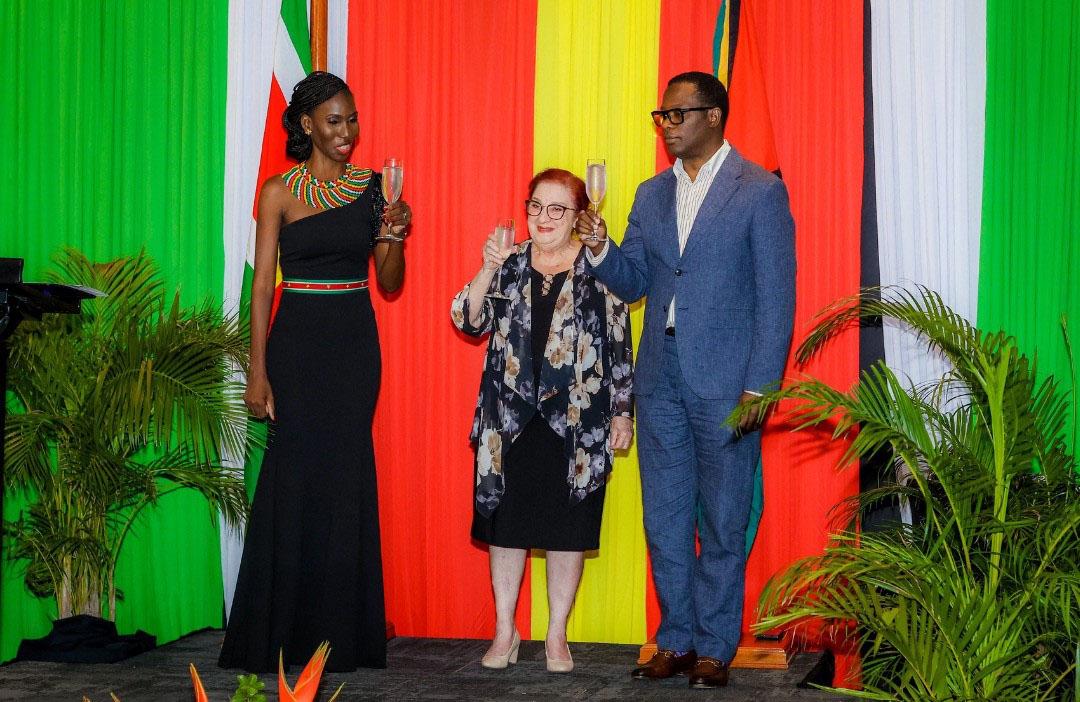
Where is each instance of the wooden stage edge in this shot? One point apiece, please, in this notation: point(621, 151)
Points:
point(753, 653)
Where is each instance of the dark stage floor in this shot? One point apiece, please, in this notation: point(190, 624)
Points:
point(419, 669)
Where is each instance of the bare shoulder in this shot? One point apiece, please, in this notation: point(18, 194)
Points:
point(274, 186)
point(273, 195)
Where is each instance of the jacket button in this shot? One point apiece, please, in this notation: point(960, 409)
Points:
point(678, 271)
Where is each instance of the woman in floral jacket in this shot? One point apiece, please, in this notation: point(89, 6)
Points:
point(554, 404)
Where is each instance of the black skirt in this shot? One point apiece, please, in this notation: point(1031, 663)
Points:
point(535, 511)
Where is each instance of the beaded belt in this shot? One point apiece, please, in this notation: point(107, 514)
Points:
point(323, 287)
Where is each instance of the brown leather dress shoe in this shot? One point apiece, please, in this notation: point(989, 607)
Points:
point(664, 664)
point(708, 673)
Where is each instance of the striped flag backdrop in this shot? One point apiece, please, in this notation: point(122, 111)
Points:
point(163, 119)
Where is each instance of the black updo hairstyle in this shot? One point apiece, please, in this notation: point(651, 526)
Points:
point(308, 94)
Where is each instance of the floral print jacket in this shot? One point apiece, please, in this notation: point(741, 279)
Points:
point(585, 379)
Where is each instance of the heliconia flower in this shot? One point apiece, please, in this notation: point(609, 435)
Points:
point(200, 693)
point(307, 685)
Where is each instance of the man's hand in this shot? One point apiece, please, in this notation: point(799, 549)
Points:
point(752, 420)
point(592, 230)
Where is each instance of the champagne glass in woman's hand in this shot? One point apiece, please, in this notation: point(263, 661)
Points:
point(595, 186)
point(504, 239)
point(393, 176)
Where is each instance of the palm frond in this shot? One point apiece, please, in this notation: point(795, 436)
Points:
point(980, 599)
point(135, 394)
point(222, 487)
point(132, 286)
point(26, 448)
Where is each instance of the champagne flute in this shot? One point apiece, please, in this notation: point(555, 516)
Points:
point(393, 176)
point(504, 238)
point(595, 185)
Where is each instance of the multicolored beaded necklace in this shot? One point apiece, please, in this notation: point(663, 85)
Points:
point(325, 194)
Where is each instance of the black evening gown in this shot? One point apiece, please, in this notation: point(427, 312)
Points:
point(312, 568)
point(535, 511)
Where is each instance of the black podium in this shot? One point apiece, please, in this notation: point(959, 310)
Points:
point(20, 301)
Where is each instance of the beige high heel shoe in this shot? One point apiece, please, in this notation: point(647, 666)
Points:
point(499, 662)
point(555, 666)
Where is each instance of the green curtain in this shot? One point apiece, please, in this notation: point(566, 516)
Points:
point(115, 121)
point(1029, 273)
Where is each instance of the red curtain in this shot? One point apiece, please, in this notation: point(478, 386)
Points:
point(812, 67)
point(447, 86)
point(750, 124)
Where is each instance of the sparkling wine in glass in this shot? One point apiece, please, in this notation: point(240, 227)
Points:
point(595, 184)
point(393, 176)
point(504, 238)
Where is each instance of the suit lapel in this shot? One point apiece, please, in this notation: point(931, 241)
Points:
point(669, 226)
point(723, 187)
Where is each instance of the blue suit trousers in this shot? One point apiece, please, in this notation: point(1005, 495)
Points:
point(697, 476)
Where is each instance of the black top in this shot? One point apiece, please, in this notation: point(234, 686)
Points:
point(333, 244)
point(543, 307)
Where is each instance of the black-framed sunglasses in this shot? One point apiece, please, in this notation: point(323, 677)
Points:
point(554, 211)
point(675, 115)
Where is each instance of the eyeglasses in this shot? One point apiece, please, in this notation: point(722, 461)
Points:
point(675, 115)
point(554, 211)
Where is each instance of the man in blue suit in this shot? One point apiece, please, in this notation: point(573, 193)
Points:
point(711, 243)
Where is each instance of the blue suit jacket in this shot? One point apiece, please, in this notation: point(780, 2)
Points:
point(733, 285)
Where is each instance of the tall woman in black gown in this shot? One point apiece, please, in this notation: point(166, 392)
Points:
point(311, 569)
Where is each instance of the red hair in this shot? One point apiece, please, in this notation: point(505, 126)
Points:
point(568, 180)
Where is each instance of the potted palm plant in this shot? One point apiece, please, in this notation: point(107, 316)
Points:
point(111, 410)
point(979, 597)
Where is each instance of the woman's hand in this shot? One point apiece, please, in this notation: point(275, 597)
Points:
point(592, 230)
point(494, 256)
point(259, 398)
point(397, 217)
point(622, 431)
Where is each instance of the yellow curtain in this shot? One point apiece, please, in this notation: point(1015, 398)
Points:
point(596, 81)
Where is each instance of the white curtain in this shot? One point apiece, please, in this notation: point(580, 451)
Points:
point(929, 87)
point(337, 36)
point(253, 28)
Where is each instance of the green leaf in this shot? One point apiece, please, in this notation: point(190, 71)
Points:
point(249, 689)
point(116, 406)
point(979, 599)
